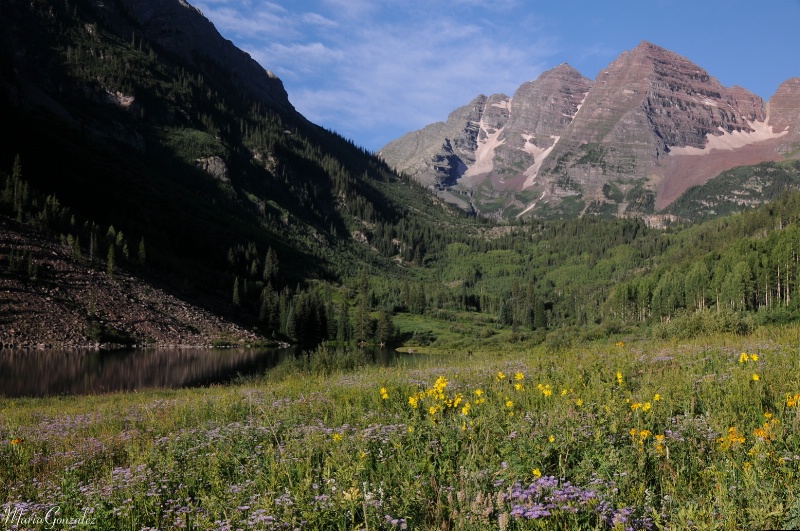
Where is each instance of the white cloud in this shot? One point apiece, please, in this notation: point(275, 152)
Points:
point(303, 60)
point(352, 9)
point(319, 20)
point(373, 71)
point(249, 24)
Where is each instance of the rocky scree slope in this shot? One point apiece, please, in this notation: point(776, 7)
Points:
point(58, 301)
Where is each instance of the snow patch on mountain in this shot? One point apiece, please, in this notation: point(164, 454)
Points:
point(484, 155)
point(539, 155)
point(729, 141)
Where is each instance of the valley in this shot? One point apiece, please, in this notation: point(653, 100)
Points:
point(594, 284)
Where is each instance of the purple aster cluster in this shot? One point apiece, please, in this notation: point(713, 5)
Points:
point(551, 498)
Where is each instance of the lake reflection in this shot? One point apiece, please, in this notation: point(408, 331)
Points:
point(79, 372)
point(82, 372)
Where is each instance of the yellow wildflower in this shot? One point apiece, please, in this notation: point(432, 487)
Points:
point(765, 432)
point(537, 473)
point(478, 392)
point(640, 435)
point(384, 393)
point(563, 392)
point(660, 444)
point(433, 410)
point(579, 402)
point(734, 437)
point(413, 401)
point(500, 375)
point(635, 406)
point(620, 380)
point(792, 401)
point(337, 437)
point(16, 441)
point(519, 376)
point(657, 398)
point(743, 357)
point(465, 409)
point(551, 439)
point(457, 400)
point(646, 407)
point(411, 429)
point(756, 377)
point(509, 404)
point(753, 357)
point(519, 387)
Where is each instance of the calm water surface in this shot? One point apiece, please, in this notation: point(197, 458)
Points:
point(81, 372)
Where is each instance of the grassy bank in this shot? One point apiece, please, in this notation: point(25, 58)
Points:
point(611, 435)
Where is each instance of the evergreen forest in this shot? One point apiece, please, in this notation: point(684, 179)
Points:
point(305, 237)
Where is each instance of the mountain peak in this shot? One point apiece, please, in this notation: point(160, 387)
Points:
point(651, 125)
point(564, 68)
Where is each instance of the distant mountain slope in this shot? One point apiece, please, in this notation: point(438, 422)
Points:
point(651, 126)
point(139, 116)
point(736, 189)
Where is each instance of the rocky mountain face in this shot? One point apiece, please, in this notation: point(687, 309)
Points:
point(652, 125)
point(182, 29)
point(784, 115)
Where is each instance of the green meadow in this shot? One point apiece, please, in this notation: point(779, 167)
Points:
point(616, 434)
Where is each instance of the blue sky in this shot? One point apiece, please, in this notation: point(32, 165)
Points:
point(375, 70)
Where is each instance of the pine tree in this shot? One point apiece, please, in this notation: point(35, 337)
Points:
point(111, 235)
point(291, 325)
point(271, 267)
point(76, 248)
point(539, 315)
point(343, 328)
point(142, 255)
point(383, 330)
point(111, 261)
point(263, 311)
point(236, 292)
point(17, 187)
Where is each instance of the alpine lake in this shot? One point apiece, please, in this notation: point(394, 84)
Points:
point(52, 372)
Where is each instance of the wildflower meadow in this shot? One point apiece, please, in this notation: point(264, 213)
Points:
point(613, 435)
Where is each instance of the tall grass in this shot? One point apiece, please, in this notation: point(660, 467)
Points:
point(702, 434)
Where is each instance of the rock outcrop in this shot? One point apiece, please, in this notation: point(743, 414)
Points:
point(215, 167)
